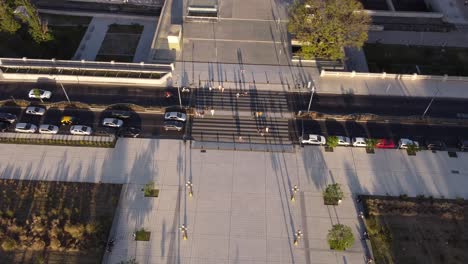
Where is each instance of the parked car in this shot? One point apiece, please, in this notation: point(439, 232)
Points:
point(112, 122)
point(463, 144)
point(343, 141)
point(404, 142)
point(121, 114)
point(435, 145)
point(177, 116)
point(7, 117)
point(35, 110)
point(385, 143)
point(129, 132)
point(359, 142)
point(313, 139)
point(48, 129)
point(173, 125)
point(4, 126)
point(68, 120)
point(40, 94)
point(25, 128)
point(80, 130)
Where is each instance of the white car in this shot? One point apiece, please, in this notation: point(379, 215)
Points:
point(404, 142)
point(112, 122)
point(313, 140)
point(48, 129)
point(359, 142)
point(38, 93)
point(35, 110)
point(25, 128)
point(81, 130)
point(343, 141)
point(175, 116)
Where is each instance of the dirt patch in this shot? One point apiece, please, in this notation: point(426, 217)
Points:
point(55, 222)
point(417, 230)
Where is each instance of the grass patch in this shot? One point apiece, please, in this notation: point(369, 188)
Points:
point(417, 229)
point(408, 59)
point(59, 222)
point(63, 47)
point(142, 235)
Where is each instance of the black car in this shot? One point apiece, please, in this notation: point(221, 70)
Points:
point(121, 114)
point(463, 144)
point(129, 132)
point(173, 125)
point(7, 117)
point(435, 145)
point(4, 126)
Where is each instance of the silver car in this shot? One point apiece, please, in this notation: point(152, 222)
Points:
point(25, 128)
point(112, 122)
point(35, 110)
point(175, 116)
point(48, 129)
point(81, 130)
point(40, 94)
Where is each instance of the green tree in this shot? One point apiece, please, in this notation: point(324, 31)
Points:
point(332, 194)
point(325, 27)
point(37, 29)
point(371, 143)
point(332, 141)
point(7, 20)
point(340, 237)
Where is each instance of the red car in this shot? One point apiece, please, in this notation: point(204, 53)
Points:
point(385, 143)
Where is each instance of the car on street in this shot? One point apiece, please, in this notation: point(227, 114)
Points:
point(112, 122)
point(176, 116)
point(48, 129)
point(343, 141)
point(359, 142)
point(4, 126)
point(121, 114)
point(68, 120)
point(40, 94)
point(81, 130)
point(385, 143)
point(129, 132)
point(7, 117)
point(173, 125)
point(35, 110)
point(435, 144)
point(463, 144)
point(313, 139)
point(25, 128)
point(403, 143)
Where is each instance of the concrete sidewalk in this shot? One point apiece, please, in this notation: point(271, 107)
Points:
point(438, 39)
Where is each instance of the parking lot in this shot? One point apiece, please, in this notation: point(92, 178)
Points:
point(149, 124)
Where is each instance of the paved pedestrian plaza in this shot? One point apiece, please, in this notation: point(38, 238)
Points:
point(241, 210)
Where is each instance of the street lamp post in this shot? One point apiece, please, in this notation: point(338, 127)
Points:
point(294, 190)
point(297, 236)
point(312, 91)
point(183, 229)
point(189, 187)
point(65, 92)
point(430, 103)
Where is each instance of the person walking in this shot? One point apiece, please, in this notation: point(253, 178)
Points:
point(212, 111)
point(237, 95)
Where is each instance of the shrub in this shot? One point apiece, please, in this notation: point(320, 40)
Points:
point(332, 194)
point(76, 231)
point(371, 143)
point(340, 237)
point(142, 235)
point(92, 228)
point(9, 244)
point(332, 141)
point(10, 213)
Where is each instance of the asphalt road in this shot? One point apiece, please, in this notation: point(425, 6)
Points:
point(449, 135)
point(381, 105)
point(96, 94)
point(151, 124)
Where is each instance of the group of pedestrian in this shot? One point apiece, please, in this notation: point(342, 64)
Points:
point(202, 112)
point(244, 93)
point(263, 131)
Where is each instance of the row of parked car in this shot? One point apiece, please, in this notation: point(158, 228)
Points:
point(403, 143)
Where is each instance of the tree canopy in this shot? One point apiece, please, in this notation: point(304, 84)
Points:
point(340, 237)
point(325, 27)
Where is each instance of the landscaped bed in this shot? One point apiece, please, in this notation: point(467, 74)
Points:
point(55, 222)
point(417, 230)
point(120, 43)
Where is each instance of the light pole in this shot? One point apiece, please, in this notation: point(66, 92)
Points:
point(189, 187)
point(430, 103)
point(312, 91)
point(65, 92)
point(183, 229)
point(294, 190)
point(297, 236)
